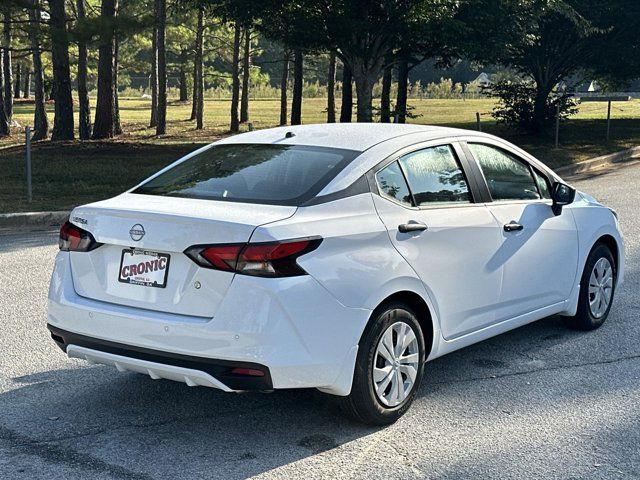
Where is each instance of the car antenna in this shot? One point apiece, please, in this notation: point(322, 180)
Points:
point(289, 135)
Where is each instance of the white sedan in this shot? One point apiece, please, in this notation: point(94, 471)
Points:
point(340, 257)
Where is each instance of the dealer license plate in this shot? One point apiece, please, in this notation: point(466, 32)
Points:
point(143, 267)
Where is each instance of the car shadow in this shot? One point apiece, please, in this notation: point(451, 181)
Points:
point(96, 418)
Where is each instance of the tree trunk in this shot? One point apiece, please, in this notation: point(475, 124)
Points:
point(84, 114)
point(63, 120)
point(347, 95)
point(296, 101)
point(103, 126)
point(401, 99)
point(539, 117)
point(117, 126)
point(331, 89)
point(4, 124)
point(235, 81)
point(284, 82)
point(8, 81)
point(364, 91)
point(17, 81)
point(199, 100)
point(385, 100)
point(153, 121)
point(184, 94)
point(198, 81)
point(246, 72)
point(40, 120)
point(161, 18)
point(26, 91)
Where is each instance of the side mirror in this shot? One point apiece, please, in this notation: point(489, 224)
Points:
point(561, 194)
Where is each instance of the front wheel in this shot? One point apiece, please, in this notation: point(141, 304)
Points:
point(597, 287)
point(388, 368)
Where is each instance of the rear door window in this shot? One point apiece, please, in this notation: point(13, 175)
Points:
point(252, 173)
point(434, 176)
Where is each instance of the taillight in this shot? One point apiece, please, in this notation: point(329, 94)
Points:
point(75, 239)
point(272, 259)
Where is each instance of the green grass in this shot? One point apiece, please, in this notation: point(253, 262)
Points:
point(72, 173)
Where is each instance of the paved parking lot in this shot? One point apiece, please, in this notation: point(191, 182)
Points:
point(539, 402)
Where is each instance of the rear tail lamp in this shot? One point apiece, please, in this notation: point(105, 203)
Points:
point(272, 259)
point(75, 239)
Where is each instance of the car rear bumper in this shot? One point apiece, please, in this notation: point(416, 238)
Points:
point(299, 334)
point(194, 371)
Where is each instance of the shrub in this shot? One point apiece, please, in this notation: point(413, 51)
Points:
point(517, 102)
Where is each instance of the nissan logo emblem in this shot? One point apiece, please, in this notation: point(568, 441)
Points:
point(137, 232)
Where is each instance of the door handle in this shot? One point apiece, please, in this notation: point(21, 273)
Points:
point(411, 227)
point(512, 226)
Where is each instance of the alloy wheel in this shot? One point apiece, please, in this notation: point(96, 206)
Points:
point(600, 287)
point(396, 364)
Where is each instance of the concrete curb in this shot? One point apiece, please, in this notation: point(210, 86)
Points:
point(33, 219)
point(577, 169)
point(599, 163)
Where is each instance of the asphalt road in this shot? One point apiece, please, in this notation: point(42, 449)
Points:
point(538, 402)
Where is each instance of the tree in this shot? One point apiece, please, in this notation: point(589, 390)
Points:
point(331, 89)
point(235, 80)
point(284, 83)
point(161, 18)
point(544, 40)
point(198, 80)
point(363, 33)
point(63, 128)
point(84, 113)
point(346, 106)
point(246, 72)
point(6, 64)
point(401, 99)
point(385, 100)
point(40, 120)
point(153, 121)
point(296, 101)
point(103, 126)
point(17, 80)
point(4, 123)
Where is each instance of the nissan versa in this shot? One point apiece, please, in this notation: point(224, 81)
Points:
point(337, 257)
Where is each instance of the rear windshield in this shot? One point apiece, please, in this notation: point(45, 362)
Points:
point(257, 173)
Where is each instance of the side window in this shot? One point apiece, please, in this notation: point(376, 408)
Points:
point(507, 177)
point(543, 184)
point(434, 176)
point(392, 184)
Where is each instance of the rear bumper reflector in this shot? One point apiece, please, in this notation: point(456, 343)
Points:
point(194, 371)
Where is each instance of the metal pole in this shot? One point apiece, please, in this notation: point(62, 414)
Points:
point(557, 124)
point(27, 132)
point(608, 119)
point(478, 121)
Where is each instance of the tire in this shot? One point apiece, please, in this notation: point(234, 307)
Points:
point(585, 318)
point(363, 403)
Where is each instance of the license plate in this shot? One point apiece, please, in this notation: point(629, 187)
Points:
point(142, 267)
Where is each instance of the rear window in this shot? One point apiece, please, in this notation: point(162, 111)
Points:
point(256, 173)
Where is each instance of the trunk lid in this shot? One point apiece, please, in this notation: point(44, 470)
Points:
point(164, 226)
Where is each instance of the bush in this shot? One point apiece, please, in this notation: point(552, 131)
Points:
point(516, 106)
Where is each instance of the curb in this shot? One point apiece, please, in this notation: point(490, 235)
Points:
point(599, 163)
point(50, 219)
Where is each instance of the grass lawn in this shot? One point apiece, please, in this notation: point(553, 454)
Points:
point(72, 173)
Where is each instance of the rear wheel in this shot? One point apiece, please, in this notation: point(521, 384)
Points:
point(388, 368)
point(597, 288)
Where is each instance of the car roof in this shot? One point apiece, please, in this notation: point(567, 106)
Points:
point(351, 136)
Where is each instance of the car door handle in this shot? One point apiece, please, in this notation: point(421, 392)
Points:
point(411, 227)
point(512, 227)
